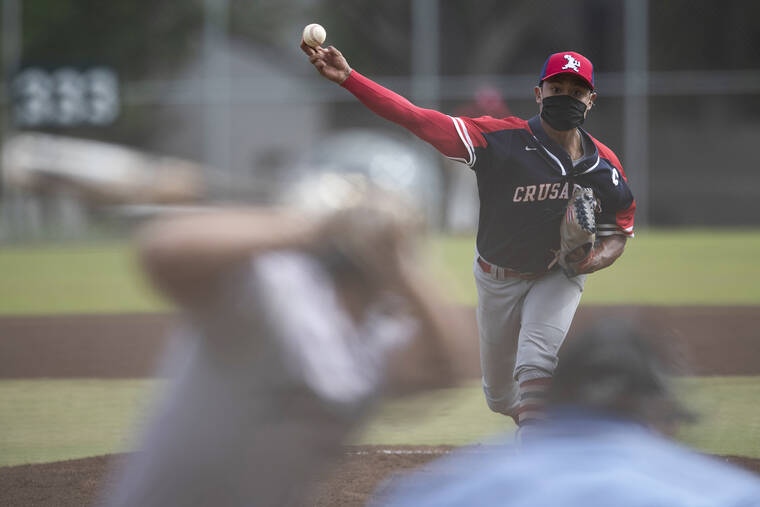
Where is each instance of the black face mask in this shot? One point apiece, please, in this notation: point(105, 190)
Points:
point(562, 112)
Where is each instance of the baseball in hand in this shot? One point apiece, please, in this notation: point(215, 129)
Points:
point(314, 35)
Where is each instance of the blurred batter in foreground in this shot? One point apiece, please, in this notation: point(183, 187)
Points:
point(294, 326)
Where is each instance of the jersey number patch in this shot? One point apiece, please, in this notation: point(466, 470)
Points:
point(615, 177)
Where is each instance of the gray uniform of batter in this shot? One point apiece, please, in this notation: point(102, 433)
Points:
point(266, 382)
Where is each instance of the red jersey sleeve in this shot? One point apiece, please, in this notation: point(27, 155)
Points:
point(624, 219)
point(447, 134)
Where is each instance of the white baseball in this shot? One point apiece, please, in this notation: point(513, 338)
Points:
point(314, 35)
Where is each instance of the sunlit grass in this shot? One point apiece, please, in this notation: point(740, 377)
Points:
point(53, 419)
point(73, 278)
point(44, 420)
point(658, 267)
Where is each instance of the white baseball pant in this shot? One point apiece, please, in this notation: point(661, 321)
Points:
point(521, 326)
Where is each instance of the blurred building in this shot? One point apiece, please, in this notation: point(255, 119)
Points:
point(251, 119)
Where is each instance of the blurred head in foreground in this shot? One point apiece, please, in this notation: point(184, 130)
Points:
point(622, 370)
point(592, 449)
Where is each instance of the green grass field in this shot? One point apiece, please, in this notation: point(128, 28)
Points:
point(52, 420)
point(659, 267)
point(89, 278)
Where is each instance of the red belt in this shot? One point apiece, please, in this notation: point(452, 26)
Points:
point(503, 273)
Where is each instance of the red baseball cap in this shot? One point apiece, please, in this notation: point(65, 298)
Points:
point(568, 62)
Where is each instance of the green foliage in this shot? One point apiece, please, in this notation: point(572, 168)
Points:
point(133, 37)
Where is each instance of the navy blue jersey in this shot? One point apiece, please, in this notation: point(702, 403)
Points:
point(524, 182)
point(524, 178)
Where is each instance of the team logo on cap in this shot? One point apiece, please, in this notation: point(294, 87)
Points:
point(572, 63)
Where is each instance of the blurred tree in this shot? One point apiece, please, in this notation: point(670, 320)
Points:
point(703, 34)
point(268, 22)
point(137, 38)
point(152, 38)
point(376, 35)
point(490, 34)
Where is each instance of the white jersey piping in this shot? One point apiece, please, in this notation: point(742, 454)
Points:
point(465, 137)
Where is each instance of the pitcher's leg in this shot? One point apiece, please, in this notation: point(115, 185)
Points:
point(547, 314)
point(498, 316)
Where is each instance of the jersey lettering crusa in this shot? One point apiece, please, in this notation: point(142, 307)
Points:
point(524, 178)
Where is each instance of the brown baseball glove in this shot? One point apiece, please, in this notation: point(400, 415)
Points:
point(577, 232)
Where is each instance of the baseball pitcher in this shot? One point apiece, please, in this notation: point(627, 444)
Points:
point(554, 206)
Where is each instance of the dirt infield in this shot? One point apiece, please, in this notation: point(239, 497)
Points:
point(76, 483)
point(718, 341)
point(352, 481)
point(79, 482)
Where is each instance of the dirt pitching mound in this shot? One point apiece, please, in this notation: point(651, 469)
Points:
point(359, 472)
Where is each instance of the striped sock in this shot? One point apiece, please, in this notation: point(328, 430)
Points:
point(532, 399)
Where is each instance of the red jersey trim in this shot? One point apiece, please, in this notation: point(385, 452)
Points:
point(606, 153)
point(471, 131)
point(623, 218)
point(487, 124)
point(464, 135)
point(490, 124)
point(623, 223)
